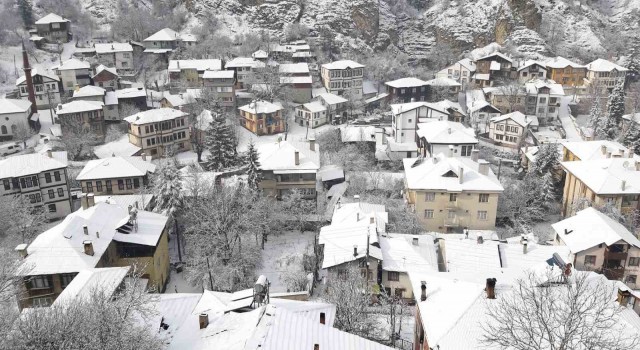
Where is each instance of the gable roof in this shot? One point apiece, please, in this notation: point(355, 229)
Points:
point(280, 157)
point(120, 147)
point(442, 81)
point(339, 241)
point(402, 252)
point(200, 65)
point(87, 282)
point(243, 62)
point(331, 99)
point(9, 105)
point(72, 64)
point(218, 74)
point(89, 91)
point(154, 116)
point(406, 82)
point(516, 116)
point(602, 65)
point(102, 68)
point(446, 132)
point(607, 176)
point(360, 213)
point(116, 167)
point(498, 54)
point(113, 47)
point(561, 62)
point(28, 164)
point(343, 64)
point(529, 63)
point(261, 106)
point(78, 106)
point(533, 86)
point(399, 108)
point(166, 34)
point(596, 149)
point(22, 79)
point(293, 68)
point(589, 228)
point(51, 18)
point(314, 107)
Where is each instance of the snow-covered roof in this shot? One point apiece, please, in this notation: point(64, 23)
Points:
point(90, 281)
point(60, 249)
point(132, 92)
point(188, 37)
point(111, 70)
point(533, 86)
point(89, 91)
point(296, 80)
point(529, 63)
point(466, 63)
point(330, 172)
point(602, 65)
point(157, 51)
point(355, 133)
point(369, 87)
point(258, 107)
point(443, 81)
point(260, 54)
point(121, 147)
point(280, 157)
point(331, 99)
point(28, 164)
point(200, 65)
point(339, 241)
point(561, 62)
point(632, 117)
point(516, 116)
point(406, 83)
point(478, 105)
point(72, 64)
point(113, 47)
point(116, 167)
point(22, 79)
point(314, 107)
point(446, 132)
point(482, 76)
point(596, 149)
point(243, 62)
point(110, 98)
point(495, 54)
point(399, 108)
point(448, 107)
point(293, 68)
point(175, 100)
point(166, 34)
point(607, 176)
point(343, 64)
point(360, 213)
point(218, 74)
point(443, 173)
point(589, 228)
point(402, 252)
point(154, 116)
point(140, 200)
point(79, 106)
point(9, 105)
point(51, 18)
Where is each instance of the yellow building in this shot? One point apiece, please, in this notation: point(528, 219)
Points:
point(451, 194)
point(159, 131)
point(188, 73)
point(262, 117)
point(97, 235)
point(567, 73)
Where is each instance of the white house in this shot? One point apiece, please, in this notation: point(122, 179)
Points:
point(312, 114)
point(118, 55)
point(460, 71)
point(343, 77)
point(449, 138)
point(166, 40)
point(73, 72)
point(605, 75)
point(543, 99)
point(45, 87)
point(336, 107)
point(531, 69)
point(96, 93)
point(13, 113)
point(405, 118)
point(509, 129)
point(245, 68)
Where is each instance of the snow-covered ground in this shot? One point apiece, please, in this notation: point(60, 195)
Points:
point(567, 120)
point(283, 252)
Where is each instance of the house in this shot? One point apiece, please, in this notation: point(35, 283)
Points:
point(612, 181)
point(105, 282)
point(96, 93)
point(286, 51)
point(160, 131)
point(222, 84)
point(543, 99)
point(260, 55)
point(461, 71)
point(406, 116)
point(592, 150)
point(82, 116)
point(117, 55)
point(531, 69)
point(498, 66)
point(120, 148)
point(449, 194)
point(443, 88)
point(46, 87)
point(245, 69)
point(97, 235)
point(509, 129)
point(407, 90)
point(53, 28)
point(297, 79)
point(262, 118)
point(336, 107)
point(604, 75)
point(508, 98)
point(189, 73)
point(73, 72)
point(289, 166)
point(40, 177)
point(312, 114)
point(131, 98)
point(14, 114)
point(130, 174)
point(106, 78)
point(480, 113)
point(569, 74)
point(455, 112)
point(343, 78)
point(449, 138)
point(601, 244)
point(630, 119)
point(166, 40)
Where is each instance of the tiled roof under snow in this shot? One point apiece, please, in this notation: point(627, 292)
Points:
point(116, 167)
point(154, 116)
point(607, 176)
point(28, 164)
point(446, 132)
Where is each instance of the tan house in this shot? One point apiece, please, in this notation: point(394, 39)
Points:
point(460, 71)
point(262, 118)
point(604, 75)
point(157, 130)
point(97, 235)
point(116, 175)
point(288, 166)
point(599, 243)
point(54, 28)
point(189, 73)
point(116, 55)
point(222, 84)
point(82, 116)
point(569, 74)
point(73, 72)
point(343, 78)
point(451, 194)
point(509, 129)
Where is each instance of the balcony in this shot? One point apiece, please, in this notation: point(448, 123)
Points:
point(613, 255)
point(613, 273)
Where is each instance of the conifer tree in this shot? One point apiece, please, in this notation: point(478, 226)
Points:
point(595, 114)
point(221, 143)
point(615, 106)
point(26, 12)
point(548, 191)
point(546, 159)
point(253, 167)
point(167, 190)
point(634, 55)
point(632, 138)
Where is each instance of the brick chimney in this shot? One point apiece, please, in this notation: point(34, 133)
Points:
point(203, 320)
point(474, 155)
point(88, 247)
point(491, 288)
point(423, 290)
point(27, 75)
point(355, 250)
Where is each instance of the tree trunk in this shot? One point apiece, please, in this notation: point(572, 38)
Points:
point(175, 227)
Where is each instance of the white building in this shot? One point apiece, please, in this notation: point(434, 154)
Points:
point(406, 116)
point(343, 77)
point(543, 99)
point(605, 75)
point(96, 93)
point(531, 69)
point(460, 71)
point(73, 72)
point(442, 136)
point(118, 55)
point(509, 129)
point(245, 69)
point(45, 87)
point(312, 114)
point(166, 40)
point(336, 107)
point(13, 114)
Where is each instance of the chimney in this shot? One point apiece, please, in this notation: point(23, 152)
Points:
point(76, 87)
point(474, 155)
point(27, 75)
point(355, 250)
point(97, 234)
point(297, 158)
point(137, 205)
point(637, 166)
point(449, 130)
point(372, 220)
point(415, 240)
point(618, 154)
point(129, 208)
point(83, 201)
point(450, 151)
point(90, 200)
point(483, 167)
point(480, 240)
point(608, 154)
point(22, 250)
point(423, 290)
point(178, 63)
point(49, 153)
point(461, 175)
point(322, 318)
point(525, 245)
point(316, 346)
point(603, 149)
point(59, 106)
point(356, 198)
point(85, 229)
point(88, 247)
point(312, 145)
point(491, 288)
point(144, 156)
point(203, 320)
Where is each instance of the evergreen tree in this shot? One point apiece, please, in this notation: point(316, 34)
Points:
point(548, 191)
point(634, 55)
point(26, 12)
point(595, 114)
point(167, 190)
point(220, 141)
point(253, 167)
point(632, 138)
point(615, 106)
point(546, 159)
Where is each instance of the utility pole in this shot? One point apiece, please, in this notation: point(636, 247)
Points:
point(499, 167)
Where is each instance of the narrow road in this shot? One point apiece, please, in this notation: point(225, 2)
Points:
point(567, 121)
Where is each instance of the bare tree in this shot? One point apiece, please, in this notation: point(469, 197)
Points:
point(23, 133)
point(552, 311)
point(77, 140)
point(22, 218)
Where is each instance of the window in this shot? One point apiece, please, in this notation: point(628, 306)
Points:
point(39, 282)
point(47, 177)
point(66, 279)
point(41, 302)
point(7, 184)
point(453, 197)
point(589, 259)
point(634, 261)
point(108, 184)
point(89, 187)
point(429, 197)
point(60, 192)
point(32, 198)
point(482, 215)
point(393, 276)
point(56, 175)
point(483, 198)
point(52, 208)
point(129, 186)
point(465, 151)
point(428, 214)
point(99, 186)
point(632, 279)
point(52, 194)
point(120, 185)
point(451, 214)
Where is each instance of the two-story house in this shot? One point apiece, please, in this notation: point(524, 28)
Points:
point(461, 71)
point(495, 67)
point(336, 107)
point(312, 114)
point(46, 87)
point(14, 114)
point(160, 131)
point(106, 78)
point(406, 116)
point(222, 84)
point(509, 129)
point(117, 55)
point(543, 99)
point(97, 235)
point(116, 175)
point(73, 72)
point(604, 75)
point(96, 93)
point(343, 78)
point(480, 112)
point(245, 69)
point(449, 194)
point(569, 74)
point(188, 73)
point(449, 138)
point(53, 28)
point(297, 79)
point(166, 40)
point(407, 90)
point(599, 243)
point(289, 166)
point(531, 69)
point(262, 117)
point(443, 88)
point(82, 116)
point(40, 177)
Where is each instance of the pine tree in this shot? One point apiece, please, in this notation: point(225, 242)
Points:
point(595, 114)
point(220, 141)
point(634, 55)
point(167, 188)
point(26, 12)
point(548, 191)
point(253, 167)
point(615, 106)
point(546, 159)
point(632, 138)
